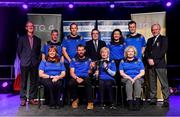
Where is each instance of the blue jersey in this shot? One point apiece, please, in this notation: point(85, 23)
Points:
point(81, 67)
point(51, 68)
point(116, 51)
point(47, 45)
point(70, 43)
point(138, 41)
point(103, 74)
point(131, 68)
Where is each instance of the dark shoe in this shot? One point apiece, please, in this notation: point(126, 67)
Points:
point(112, 106)
point(33, 102)
point(130, 105)
point(137, 104)
point(23, 103)
point(152, 103)
point(52, 107)
point(165, 105)
point(102, 106)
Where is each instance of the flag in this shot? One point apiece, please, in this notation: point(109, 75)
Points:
point(17, 72)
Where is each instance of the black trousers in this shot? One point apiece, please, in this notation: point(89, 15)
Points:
point(32, 71)
point(106, 86)
point(66, 80)
point(52, 90)
point(73, 85)
point(117, 76)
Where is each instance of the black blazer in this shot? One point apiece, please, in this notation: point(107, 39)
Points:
point(27, 55)
point(91, 52)
point(157, 51)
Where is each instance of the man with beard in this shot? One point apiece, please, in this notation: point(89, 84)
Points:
point(80, 69)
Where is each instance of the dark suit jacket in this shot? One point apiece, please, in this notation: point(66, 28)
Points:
point(27, 55)
point(157, 51)
point(91, 52)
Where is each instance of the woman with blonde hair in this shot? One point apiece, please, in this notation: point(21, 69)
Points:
point(106, 73)
point(132, 71)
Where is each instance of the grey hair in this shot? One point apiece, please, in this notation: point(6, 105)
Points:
point(104, 49)
point(130, 47)
point(156, 25)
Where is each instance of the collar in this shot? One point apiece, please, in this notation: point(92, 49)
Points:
point(156, 36)
point(81, 60)
point(105, 59)
point(135, 36)
point(76, 37)
point(53, 43)
point(134, 60)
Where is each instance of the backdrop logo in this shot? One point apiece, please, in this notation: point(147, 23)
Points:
point(43, 27)
point(44, 23)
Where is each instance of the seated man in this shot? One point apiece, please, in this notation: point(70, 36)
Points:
point(79, 71)
point(132, 70)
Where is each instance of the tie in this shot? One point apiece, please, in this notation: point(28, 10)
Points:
point(154, 40)
point(96, 46)
point(31, 42)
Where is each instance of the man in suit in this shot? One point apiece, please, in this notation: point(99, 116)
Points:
point(155, 54)
point(94, 46)
point(29, 51)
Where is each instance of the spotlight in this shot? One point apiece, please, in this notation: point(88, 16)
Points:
point(168, 4)
point(4, 84)
point(25, 6)
point(112, 5)
point(70, 6)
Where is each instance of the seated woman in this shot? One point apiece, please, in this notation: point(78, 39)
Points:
point(132, 70)
point(106, 73)
point(51, 72)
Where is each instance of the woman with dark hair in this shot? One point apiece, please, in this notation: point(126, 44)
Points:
point(116, 48)
point(51, 72)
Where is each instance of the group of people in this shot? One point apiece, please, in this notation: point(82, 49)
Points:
point(64, 66)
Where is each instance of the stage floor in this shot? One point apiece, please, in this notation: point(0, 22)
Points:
point(9, 106)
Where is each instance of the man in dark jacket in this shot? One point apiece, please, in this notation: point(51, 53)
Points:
point(28, 50)
point(94, 46)
point(156, 59)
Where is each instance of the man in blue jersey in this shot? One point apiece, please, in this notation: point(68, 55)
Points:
point(69, 45)
point(80, 68)
point(54, 41)
point(135, 39)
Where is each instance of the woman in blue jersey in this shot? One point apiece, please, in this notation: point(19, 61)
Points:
point(116, 48)
point(51, 72)
point(132, 71)
point(106, 73)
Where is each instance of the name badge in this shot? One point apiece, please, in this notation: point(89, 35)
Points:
point(157, 44)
